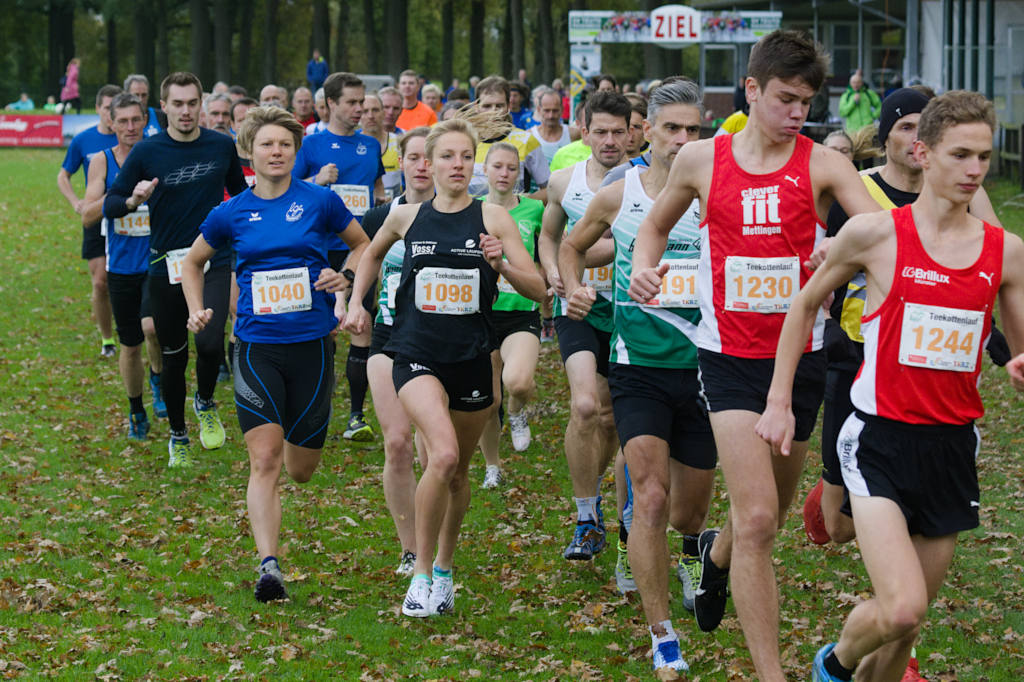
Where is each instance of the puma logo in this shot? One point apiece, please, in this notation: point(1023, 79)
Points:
point(795, 181)
point(987, 276)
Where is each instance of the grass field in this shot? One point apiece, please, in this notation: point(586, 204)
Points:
point(113, 567)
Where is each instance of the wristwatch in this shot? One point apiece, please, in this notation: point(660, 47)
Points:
point(348, 274)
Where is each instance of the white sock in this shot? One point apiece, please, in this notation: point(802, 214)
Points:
point(586, 508)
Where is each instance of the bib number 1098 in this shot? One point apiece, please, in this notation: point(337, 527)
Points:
point(448, 291)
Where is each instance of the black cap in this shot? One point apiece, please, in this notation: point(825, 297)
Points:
point(898, 104)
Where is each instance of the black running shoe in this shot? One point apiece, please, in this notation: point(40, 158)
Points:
point(713, 590)
point(270, 586)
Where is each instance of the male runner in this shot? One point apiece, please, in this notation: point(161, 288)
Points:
point(932, 273)
point(218, 113)
point(551, 133)
point(350, 164)
point(391, 103)
point(763, 192)
point(414, 112)
point(181, 174)
point(590, 439)
point(127, 265)
point(373, 125)
point(302, 106)
point(83, 147)
point(137, 84)
point(666, 435)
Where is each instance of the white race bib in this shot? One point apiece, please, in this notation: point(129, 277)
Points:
point(678, 286)
point(505, 286)
point(599, 278)
point(448, 291)
point(135, 224)
point(356, 197)
point(281, 291)
point(941, 338)
point(392, 283)
point(761, 285)
point(175, 257)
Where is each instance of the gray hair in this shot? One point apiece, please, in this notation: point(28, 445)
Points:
point(219, 97)
point(319, 96)
point(135, 78)
point(676, 91)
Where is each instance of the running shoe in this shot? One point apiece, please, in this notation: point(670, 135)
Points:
point(108, 350)
point(442, 595)
point(587, 540)
point(159, 406)
point(270, 586)
point(913, 672)
point(178, 455)
point(547, 331)
point(688, 573)
point(223, 374)
point(358, 429)
point(814, 519)
point(138, 426)
point(417, 598)
point(492, 477)
point(623, 573)
point(712, 592)
point(211, 431)
point(668, 657)
point(520, 430)
point(406, 564)
point(818, 672)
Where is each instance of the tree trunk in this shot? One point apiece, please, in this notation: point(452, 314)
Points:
point(163, 44)
point(398, 45)
point(62, 39)
point(372, 44)
point(320, 35)
point(113, 75)
point(655, 62)
point(506, 42)
point(476, 38)
point(518, 41)
point(199, 63)
point(340, 61)
point(222, 30)
point(447, 42)
point(270, 28)
point(545, 62)
point(244, 43)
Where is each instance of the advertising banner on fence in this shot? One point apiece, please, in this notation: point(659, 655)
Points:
point(29, 130)
point(671, 26)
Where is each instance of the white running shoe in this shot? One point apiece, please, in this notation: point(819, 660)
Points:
point(417, 598)
point(406, 564)
point(492, 477)
point(519, 427)
point(442, 596)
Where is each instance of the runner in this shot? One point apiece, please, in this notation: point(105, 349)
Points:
point(218, 113)
point(391, 103)
point(933, 272)
point(84, 146)
point(284, 365)
point(156, 121)
point(373, 125)
point(239, 109)
point(516, 318)
point(127, 265)
point(551, 133)
point(590, 438)
point(762, 193)
point(396, 429)
point(442, 342)
point(302, 107)
point(637, 145)
point(181, 174)
point(576, 151)
point(414, 113)
point(322, 113)
point(348, 162)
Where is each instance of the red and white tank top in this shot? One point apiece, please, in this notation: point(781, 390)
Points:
point(758, 232)
point(922, 347)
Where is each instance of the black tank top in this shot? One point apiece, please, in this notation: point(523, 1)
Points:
point(443, 304)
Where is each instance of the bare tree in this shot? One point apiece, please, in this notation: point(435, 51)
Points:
point(199, 17)
point(112, 71)
point(515, 8)
point(544, 64)
point(340, 62)
point(398, 44)
point(476, 37)
point(244, 42)
point(447, 41)
point(270, 28)
point(370, 31)
point(222, 30)
point(320, 36)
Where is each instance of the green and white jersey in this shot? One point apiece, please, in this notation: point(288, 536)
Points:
point(527, 214)
point(390, 277)
point(574, 202)
point(660, 333)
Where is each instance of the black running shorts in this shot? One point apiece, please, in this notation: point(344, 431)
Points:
point(127, 297)
point(508, 322)
point(467, 383)
point(94, 244)
point(578, 335)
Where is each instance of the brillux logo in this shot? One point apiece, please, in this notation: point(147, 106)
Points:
point(922, 276)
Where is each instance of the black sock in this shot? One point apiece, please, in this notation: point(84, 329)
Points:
point(834, 668)
point(690, 545)
point(623, 533)
point(135, 405)
point(154, 375)
point(231, 355)
point(355, 372)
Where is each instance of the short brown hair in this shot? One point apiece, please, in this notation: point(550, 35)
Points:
point(409, 72)
point(337, 82)
point(788, 54)
point(403, 141)
point(110, 91)
point(493, 84)
point(452, 125)
point(180, 78)
point(954, 108)
point(268, 115)
point(638, 103)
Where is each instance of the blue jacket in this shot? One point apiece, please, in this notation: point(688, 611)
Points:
point(316, 72)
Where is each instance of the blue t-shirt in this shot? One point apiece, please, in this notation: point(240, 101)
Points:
point(83, 147)
point(153, 124)
point(358, 160)
point(128, 236)
point(274, 240)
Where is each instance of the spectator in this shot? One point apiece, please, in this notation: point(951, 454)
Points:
point(316, 71)
point(24, 103)
point(859, 105)
point(69, 95)
point(51, 104)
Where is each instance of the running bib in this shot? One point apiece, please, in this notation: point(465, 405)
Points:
point(940, 338)
point(761, 285)
point(678, 286)
point(175, 258)
point(448, 291)
point(392, 283)
point(135, 224)
point(356, 198)
point(599, 278)
point(281, 291)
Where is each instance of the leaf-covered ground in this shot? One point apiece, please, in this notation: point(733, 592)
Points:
point(113, 567)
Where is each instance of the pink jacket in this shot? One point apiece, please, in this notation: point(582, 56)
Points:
point(70, 89)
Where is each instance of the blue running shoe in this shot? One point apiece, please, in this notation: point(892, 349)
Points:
point(159, 406)
point(138, 426)
point(818, 672)
point(668, 657)
point(587, 540)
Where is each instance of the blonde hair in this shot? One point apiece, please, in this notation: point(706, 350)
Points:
point(454, 125)
point(486, 124)
point(865, 143)
point(501, 147)
point(954, 108)
point(267, 115)
point(403, 141)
